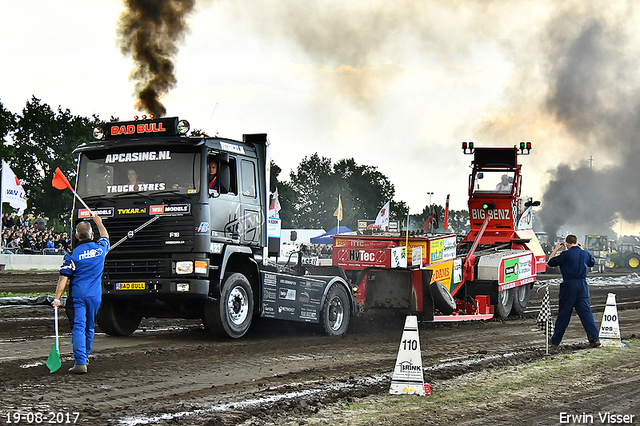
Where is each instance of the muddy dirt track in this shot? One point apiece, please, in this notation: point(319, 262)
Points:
point(173, 372)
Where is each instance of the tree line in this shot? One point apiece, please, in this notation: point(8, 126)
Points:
point(39, 138)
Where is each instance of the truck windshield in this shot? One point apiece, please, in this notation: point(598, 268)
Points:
point(126, 171)
point(493, 181)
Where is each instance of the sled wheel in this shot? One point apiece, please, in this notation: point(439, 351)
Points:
point(231, 314)
point(520, 299)
point(117, 318)
point(442, 299)
point(504, 303)
point(336, 313)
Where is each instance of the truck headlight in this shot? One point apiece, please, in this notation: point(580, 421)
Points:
point(184, 267)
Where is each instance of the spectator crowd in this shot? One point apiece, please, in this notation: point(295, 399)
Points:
point(21, 236)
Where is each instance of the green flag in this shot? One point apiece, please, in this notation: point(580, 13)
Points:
point(53, 362)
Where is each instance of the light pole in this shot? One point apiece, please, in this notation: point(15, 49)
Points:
point(431, 210)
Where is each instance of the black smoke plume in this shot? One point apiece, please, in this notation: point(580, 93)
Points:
point(594, 95)
point(149, 31)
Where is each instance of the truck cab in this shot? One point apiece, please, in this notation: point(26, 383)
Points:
point(187, 219)
point(173, 238)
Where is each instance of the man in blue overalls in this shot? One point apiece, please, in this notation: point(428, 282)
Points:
point(83, 267)
point(574, 290)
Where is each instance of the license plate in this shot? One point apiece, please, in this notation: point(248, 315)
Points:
point(130, 286)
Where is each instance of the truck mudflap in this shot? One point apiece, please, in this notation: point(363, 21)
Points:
point(301, 298)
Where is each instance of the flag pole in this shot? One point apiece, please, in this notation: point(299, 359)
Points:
point(81, 200)
point(338, 212)
point(57, 334)
point(406, 243)
point(339, 207)
point(547, 327)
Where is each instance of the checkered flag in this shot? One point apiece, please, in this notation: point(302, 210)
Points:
point(545, 319)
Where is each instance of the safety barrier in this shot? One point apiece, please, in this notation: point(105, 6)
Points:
point(30, 261)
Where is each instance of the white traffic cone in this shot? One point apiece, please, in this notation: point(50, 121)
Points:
point(610, 327)
point(407, 375)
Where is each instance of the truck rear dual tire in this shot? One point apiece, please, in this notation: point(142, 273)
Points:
point(117, 318)
point(336, 312)
point(504, 303)
point(520, 299)
point(232, 313)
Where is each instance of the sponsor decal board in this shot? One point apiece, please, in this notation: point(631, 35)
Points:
point(442, 272)
point(291, 298)
point(516, 271)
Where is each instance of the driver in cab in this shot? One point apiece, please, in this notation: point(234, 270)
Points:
point(504, 185)
point(213, 174)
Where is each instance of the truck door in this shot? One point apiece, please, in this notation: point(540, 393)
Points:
point(251, 209)
point(225, 201)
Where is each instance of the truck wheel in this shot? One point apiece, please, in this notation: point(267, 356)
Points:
point(633, 261)
point(520, 299)
point(442, 299)
point(336, 311)
point(231, 315)
point(117, 318)
point(505, 303)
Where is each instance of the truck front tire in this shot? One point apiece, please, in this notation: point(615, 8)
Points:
point(231, 314)
point(117, 318)
point(336, 312)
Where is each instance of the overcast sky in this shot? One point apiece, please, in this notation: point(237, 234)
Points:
point(397, 85)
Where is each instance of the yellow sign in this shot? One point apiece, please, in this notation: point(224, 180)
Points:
point(442, 272)
point(436, 251)
point(130, 286)
point(132, 211)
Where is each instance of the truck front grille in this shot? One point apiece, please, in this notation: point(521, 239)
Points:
point(168, 233)
point(148, 254)
point(136, 268)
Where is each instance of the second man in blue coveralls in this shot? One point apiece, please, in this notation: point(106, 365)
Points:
point(574, 290)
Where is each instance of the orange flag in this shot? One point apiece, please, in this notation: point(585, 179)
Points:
point(60, 181)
